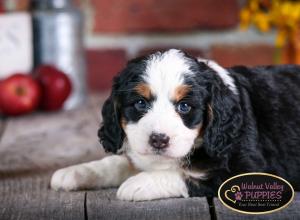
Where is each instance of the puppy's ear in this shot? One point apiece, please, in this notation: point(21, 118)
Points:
point(224, 119)
point(111, 134)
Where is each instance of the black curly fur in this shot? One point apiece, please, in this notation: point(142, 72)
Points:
point(111, 134)
point(256, 131)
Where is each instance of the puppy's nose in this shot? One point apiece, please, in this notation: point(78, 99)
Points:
point(159, 141)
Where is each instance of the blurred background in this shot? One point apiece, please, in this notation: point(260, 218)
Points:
point(232, 32)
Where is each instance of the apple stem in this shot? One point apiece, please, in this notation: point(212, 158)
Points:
point(20, 91)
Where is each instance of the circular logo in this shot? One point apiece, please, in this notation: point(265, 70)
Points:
point(256, 193)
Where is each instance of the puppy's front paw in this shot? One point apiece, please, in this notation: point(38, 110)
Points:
point(138, 188)
point(149, 186)
point(72, 178)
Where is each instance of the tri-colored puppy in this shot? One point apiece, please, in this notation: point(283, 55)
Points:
point(180, 126)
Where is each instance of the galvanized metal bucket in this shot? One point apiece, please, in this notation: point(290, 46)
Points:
point(58, 41)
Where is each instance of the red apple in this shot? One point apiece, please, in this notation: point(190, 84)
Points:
point(56, 87)
point(19, 94)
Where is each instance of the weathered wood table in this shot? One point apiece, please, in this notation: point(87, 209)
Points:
point(32, 147)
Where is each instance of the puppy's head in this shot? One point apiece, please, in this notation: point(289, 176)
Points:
point(161, 105)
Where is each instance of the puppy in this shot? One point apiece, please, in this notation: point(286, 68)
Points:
point(181, 126)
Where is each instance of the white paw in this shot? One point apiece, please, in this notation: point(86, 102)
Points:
point(72, 178)
point(138, 188)
point(149, 186)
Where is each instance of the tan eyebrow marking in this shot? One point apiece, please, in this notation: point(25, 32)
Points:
point(144, 90)
point(181, 92)
point(123, 123)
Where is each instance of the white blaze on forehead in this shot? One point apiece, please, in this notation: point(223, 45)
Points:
point(165, 71)
point(222, 73)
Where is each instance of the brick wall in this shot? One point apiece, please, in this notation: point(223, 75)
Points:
point(134, 16)
point(118, 30)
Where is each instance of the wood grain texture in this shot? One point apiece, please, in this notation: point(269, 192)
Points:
point(31, 147)
point(29, 198)
point(45, 141)
point(104, 205)
point(290, 212)
point(2, 125)
point(64, 206)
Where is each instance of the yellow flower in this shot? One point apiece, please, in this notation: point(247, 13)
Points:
point(281, 38)
point(254, 5)
point(264, 14)
point(262, 21)
point(245, 16)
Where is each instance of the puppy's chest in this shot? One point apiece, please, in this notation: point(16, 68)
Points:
point(152, 162)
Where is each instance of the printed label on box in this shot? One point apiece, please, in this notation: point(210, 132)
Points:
point(15, 44)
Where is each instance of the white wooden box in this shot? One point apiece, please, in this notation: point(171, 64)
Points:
point(16, 50)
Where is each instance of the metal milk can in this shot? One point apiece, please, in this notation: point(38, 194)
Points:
point(58, 41)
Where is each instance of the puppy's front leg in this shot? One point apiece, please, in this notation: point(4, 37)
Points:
point(153, 185)
point(108, 172)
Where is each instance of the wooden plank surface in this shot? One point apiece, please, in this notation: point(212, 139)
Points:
point(104, 205)
point(48, 140)
point(2, 125)
point(30, 198)
point(31, 147)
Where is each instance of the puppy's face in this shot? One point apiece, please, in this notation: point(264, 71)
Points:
point(162, 105)
point(166, 105)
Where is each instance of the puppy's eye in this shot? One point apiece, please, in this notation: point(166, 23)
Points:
point(141, 105)
point(183, 108)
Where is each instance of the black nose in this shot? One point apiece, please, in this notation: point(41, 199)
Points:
point(159, 141)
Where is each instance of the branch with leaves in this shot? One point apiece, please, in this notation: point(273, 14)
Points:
point(284, 15)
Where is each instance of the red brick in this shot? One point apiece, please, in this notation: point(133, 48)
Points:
point(163, 15)
point(250, 55)
point(191, 51)
point(1, 6)
point(22, 5)
point(102, 66)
